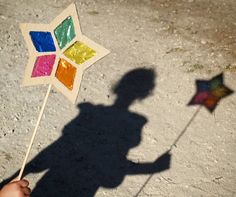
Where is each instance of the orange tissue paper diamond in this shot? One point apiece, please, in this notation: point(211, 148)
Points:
point(66, 73)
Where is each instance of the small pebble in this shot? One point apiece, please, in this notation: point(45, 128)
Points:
point(203, 42)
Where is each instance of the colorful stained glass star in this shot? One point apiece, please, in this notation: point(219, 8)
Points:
point(209, 93)
point(59, 53)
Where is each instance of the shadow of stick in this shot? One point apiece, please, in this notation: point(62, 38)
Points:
point(185, 128)
point(146, 182)
point(171, 147)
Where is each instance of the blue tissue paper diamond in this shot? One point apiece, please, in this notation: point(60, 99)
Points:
point(43, 41)
point(203, 85)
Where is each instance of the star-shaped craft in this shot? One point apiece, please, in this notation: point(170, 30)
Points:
point(209, 93)
point(59, 53)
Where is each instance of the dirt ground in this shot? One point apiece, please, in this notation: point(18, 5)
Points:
point(182, 40)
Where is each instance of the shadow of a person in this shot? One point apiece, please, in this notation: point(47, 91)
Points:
point(92, 150)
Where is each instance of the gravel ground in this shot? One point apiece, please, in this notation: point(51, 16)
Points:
point(182, 40)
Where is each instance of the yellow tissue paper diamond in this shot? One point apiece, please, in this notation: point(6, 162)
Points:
point(79, 52)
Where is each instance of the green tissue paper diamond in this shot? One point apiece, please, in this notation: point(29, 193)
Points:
point(65, 32)
point(216, 83)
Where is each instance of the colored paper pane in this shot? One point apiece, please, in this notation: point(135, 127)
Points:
point(42, 41)
point(79, 52)
point(203, 85)
point(66, 73)
point(211, 102)
point(220, 92)
point(65, 32)
point(43, 66)
point(200, 98)
point(216, 82)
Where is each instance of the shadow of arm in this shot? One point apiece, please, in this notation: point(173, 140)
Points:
point(162, 163)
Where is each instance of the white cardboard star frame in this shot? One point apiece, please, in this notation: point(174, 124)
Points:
point(59, 53)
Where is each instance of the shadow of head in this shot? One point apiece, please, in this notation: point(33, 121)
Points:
point(136, 84)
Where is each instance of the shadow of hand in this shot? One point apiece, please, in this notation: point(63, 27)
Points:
point(163, 162)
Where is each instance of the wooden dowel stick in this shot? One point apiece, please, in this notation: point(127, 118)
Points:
point(34, 133)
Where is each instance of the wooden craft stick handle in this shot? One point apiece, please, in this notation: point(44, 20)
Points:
point(34, 133)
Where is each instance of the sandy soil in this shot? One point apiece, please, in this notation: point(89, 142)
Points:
point(183, 40)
